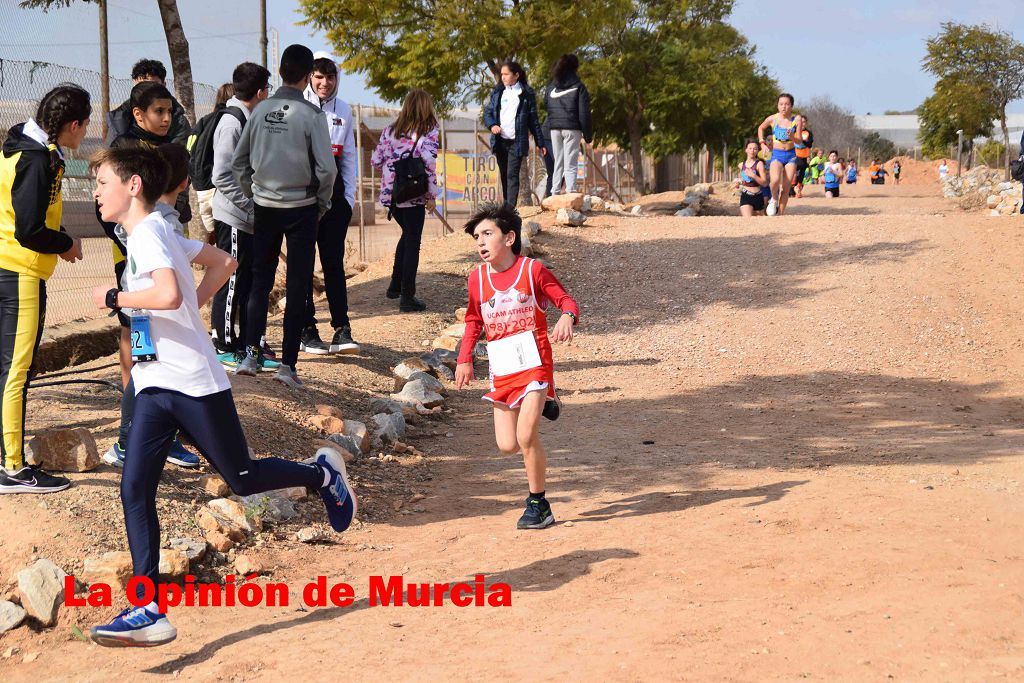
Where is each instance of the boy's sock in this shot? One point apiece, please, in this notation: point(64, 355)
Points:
point(537, 495)
point(153, 607)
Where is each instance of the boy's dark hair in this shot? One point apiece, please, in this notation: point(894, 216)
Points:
point(786, 94)
point(249, 78)
point(176, 157)
point(296, 63)
point(833, 151)
point(504, 216)
point(147, 92)
point(129, 161)
point(149, 67)
point(325, 66)
point(62, 105)
point(565, 66)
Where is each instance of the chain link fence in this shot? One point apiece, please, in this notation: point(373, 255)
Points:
point(467, 174)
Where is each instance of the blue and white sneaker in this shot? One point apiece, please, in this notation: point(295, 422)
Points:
point(135, 627)
point(338, 496)
point(181, 457)
point(114, 455)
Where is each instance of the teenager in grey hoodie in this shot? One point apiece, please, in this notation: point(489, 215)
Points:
point(284, 162)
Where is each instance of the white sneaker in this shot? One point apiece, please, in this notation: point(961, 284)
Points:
point(773, 207)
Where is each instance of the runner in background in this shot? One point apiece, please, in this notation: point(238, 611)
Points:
point(803, 155)
point(817, 165)
point(851, 173)
point(896, 168)
point(752, 179)
point(833, 174)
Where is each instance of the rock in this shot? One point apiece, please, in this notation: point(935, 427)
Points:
point(269, 506)
point(210, 520)
point(686, 213)
point(411, 365)
point(219, 541)
point(330, 411)
point(450, 343)
point(572, 200)
point(327, 424)
point(597, 204)
point(637, 210)
point(357, 430)
point(993, 201)
point(440, 363)
point(312, 534)
point(347, 443)
point(246, 565)
point(173, 564)
point(66, 450)
point(11, 615)
point(456, 330)
point(531, 228)
point(292, 492)
point(194, 549)
point(214, 485)
point(430, 382)
point(480, 351)
point(113, 569)
point(588, 203)
point(1008, 185)
point(416, 393)
point(525, 248)
point(41, 589)
point(460, 315)
point(385, 405)
point(615, 207)
point(570, 217)
point(390, 427)
point(236, 513)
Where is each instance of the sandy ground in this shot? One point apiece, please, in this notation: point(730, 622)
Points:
point(790, 448)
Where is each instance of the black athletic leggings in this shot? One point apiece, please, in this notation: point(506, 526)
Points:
point(211, 422)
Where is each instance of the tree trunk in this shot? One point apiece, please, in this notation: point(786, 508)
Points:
point(181, 65)
point(635, 150)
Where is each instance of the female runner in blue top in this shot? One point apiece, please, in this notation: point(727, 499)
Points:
point(786, 130)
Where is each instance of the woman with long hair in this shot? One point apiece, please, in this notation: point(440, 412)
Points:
point(567, 102)
point(415, 133)
point(31, 239)
point(511, 116)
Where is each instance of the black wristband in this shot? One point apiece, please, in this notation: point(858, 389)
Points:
point(571, 315)
point(111, 300)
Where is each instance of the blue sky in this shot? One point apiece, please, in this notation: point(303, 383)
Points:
point(865, 54)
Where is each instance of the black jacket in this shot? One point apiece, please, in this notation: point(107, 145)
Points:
point(568, 106)
point(120, 121)
point(527, 120)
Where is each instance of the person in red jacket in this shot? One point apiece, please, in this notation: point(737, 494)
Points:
point(507, 297)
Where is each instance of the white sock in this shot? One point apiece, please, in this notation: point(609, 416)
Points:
point(152, 607)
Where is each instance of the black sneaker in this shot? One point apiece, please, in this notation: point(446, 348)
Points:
point(342, 341)
point(311, 342)
point(537, 514)
point(410, 304)
point(31, 480)
point(552, 409)
point(394, 290)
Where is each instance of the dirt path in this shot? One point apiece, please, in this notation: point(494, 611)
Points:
point(790, 448)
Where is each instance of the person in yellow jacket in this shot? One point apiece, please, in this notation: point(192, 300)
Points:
point(31, 239)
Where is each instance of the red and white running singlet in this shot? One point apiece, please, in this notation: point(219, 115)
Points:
point(518, 348)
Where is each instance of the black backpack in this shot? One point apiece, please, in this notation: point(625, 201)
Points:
point(200, 146)
point(1017, 168)
point(410, 177)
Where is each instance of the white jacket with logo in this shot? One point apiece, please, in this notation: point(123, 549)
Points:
point(341, 126)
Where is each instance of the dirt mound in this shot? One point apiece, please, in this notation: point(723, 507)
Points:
point(916, 172)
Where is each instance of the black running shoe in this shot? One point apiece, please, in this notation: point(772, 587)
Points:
point(537, 514)
point(552, 409)
point(410, 304)
point(310, 342)
point(31, 480)
point(343, 342)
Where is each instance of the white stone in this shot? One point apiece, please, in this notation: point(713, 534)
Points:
point(41, 588)
point(11, 615)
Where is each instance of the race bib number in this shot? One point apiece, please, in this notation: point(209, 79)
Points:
point(513, 354)
point(142, 342)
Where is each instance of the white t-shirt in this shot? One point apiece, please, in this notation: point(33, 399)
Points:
point(186, 361)
point(509, 106)
point(943, 170)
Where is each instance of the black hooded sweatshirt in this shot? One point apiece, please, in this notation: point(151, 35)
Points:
point(567, 103)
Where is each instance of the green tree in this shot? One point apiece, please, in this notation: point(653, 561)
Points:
point(954, 106)
point(988, 58)
point(453, 49)
point(675, 76)
point(876, 147)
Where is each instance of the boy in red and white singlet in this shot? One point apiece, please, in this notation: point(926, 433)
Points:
point(507, 297)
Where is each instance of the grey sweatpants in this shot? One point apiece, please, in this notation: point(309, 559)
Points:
point(565, 146)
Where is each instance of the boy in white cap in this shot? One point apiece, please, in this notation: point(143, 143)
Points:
point(322, 92)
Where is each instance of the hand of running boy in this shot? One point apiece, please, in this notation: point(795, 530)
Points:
point(463, 375)
point(99, 295)
point(563, 329)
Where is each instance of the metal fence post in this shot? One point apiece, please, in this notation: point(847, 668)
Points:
point(444, 185)
point(359, 182)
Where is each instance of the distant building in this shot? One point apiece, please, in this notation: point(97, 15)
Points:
point(902, 129)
